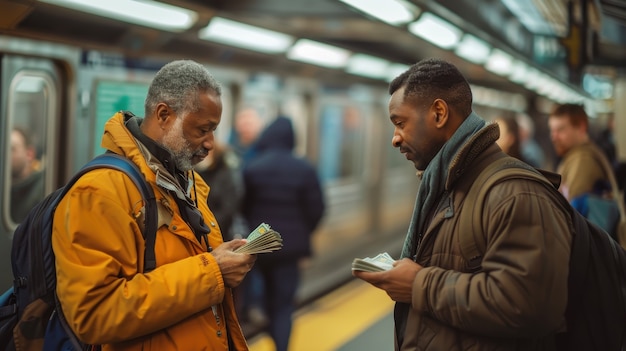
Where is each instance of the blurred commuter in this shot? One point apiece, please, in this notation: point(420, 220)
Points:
point(249, 295)
point(248, 126)
point(220, 170)
point(509, 140)
point(517, 300)
point(582, 164)
point(588, 179)
point(185, 303)
point(27, 177)
point(532, 153)
point(283, 191)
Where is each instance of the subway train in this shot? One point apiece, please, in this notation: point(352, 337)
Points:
point(63, 94)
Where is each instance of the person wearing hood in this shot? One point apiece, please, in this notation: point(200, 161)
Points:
point(282, 190)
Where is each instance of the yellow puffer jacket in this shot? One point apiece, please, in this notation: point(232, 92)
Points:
point(99, 251)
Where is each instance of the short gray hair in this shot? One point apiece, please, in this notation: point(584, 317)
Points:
point(178, 84)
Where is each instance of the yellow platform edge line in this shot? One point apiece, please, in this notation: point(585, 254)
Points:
point(333, 320)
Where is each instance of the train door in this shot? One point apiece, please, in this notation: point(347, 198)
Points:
point(30, 107)
point(342, 144)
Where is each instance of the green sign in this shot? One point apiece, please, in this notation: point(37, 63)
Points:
point(112, 97)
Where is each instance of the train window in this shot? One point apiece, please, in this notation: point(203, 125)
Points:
point(340, 142)
point(31, 104)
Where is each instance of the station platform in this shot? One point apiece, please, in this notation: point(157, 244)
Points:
point(354, 317)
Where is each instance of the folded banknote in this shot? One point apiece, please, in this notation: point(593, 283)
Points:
point(261, 240)
point(382, 262)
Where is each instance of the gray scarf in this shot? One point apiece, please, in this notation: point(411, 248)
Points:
point(433, 180)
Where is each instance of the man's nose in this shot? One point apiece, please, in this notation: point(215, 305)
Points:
point(396, 141)
point(209, 142)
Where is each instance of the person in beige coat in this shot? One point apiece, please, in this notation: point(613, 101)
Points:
point(516, 300)
point(582, 164)
point(586, 171)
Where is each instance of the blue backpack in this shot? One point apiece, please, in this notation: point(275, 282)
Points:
point(30, 314)
point(599, 210)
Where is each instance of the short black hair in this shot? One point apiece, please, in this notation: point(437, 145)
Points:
point(432, 79)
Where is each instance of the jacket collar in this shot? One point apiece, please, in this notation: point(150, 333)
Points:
point(133, 123)
point(478, 143)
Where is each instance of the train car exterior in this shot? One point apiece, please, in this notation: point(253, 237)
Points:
point(62, 95)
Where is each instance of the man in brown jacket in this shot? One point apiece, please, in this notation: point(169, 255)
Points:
point(517, 299)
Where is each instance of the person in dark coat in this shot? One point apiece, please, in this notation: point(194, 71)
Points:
point(283, 191)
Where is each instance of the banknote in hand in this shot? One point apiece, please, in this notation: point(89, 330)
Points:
point(261, 240)
point(382, 262)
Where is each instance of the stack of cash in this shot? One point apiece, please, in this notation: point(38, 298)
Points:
point(262, 239)
point(382, 262)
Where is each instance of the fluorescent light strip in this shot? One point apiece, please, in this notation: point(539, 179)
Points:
point(519, 73)
point(436, 31)
point(500, 63)
point(396, 69)
point(318, 54)
point(148, 13)
point(394, 12)
point(242, 35)
point(473, 49)
point(367, 66)
point(532, 78)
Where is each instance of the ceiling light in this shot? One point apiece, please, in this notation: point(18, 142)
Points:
point(318, 54)
point(396, 69)
point(435, 30)
point(499, 62)
point(547, 85)
point(530, 16)
point(245, 36)
point(394, 12)
point(473, 49)
point(519, 72)
point(146, 12)
point(367, 66)
point(532, 78)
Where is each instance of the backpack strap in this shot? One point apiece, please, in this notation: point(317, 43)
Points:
point(608, 170)
point(114, 161)
point(472, 240)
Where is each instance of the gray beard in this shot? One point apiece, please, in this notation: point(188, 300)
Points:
point(182, 159)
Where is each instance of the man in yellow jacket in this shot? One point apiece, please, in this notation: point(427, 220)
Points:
point(186, 302)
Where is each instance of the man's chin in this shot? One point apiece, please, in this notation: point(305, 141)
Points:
point(197, 159)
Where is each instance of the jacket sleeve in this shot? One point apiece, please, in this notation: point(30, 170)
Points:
point(521, 290)
point(104, 297)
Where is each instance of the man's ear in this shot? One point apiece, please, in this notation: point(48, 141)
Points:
point(162, 111)
point(163, 114)
point(440, 110)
